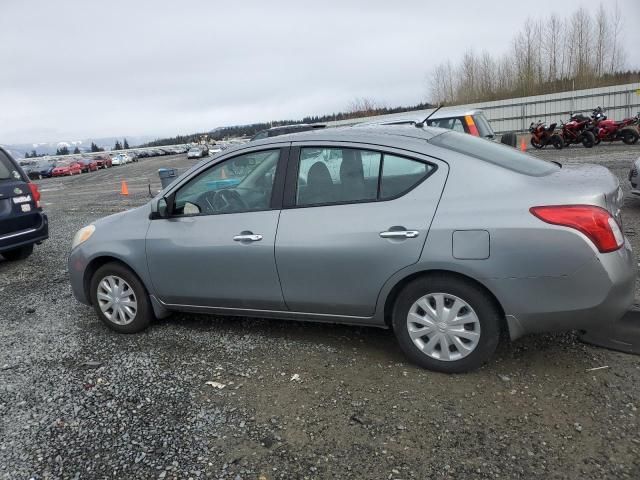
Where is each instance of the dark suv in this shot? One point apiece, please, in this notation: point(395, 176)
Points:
point(22, 222)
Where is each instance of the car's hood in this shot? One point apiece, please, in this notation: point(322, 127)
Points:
point(117, 217)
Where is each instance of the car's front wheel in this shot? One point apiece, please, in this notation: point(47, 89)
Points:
point(446, 323)
point(120, 299)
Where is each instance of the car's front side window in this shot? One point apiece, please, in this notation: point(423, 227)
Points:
point(334, 175)
point(239, 184)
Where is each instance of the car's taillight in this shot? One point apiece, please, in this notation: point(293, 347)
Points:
point(471, 125)
point(35, 193)
point(595, 222)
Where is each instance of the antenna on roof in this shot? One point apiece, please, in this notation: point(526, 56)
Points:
point(421, 124)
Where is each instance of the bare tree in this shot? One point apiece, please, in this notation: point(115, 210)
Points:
point(552, 43)
point(601, 39)
point(546, 53)
point(362, 107)
point(617, 54)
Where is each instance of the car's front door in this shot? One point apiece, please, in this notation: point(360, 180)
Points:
point(216, 249)
point(354, 216)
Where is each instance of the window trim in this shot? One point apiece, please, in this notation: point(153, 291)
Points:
point(275, 203)
point(293, 168)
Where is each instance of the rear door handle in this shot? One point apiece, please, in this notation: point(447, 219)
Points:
point(400, 234)
point(247, 238)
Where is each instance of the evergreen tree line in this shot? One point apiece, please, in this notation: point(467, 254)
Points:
point(121, 146)
point(549, 54)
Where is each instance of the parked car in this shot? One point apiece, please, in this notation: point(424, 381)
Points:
point(633, 177)
point(30, 168)
point(375, 226)
point(472, 122)
point(103, 161)
point(120, 159)
point(66, 167)
point(46, 168)
point(285, 129)
point(88, 164)
point(22, 221)
point(200, 151)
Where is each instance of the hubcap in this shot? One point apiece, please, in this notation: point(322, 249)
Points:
point(443, 326)
point(117, 300)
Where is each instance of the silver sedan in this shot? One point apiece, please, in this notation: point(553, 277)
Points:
point(444, 238)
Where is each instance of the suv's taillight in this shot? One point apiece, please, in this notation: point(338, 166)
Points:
point(595, 222)
point(471, 125)
point(35, 193)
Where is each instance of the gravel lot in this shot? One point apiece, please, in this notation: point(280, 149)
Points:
point(299, 400)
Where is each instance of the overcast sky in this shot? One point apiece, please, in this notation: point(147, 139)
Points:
point(78, 69)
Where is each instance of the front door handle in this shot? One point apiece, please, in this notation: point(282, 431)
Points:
point(400, 234)
point(249, 237)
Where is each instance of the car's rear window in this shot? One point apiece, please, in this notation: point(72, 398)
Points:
point(8, 170)
point(493, 152)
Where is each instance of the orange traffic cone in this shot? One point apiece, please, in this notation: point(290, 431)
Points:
point(523, 146)
point(124, 190)
point(223, 173)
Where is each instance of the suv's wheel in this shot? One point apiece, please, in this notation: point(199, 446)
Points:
point(19, 253)
point(447, 324)
point(120, 299)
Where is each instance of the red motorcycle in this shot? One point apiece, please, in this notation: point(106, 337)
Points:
point(611, 131)
point(541, 135)
point(576, 131)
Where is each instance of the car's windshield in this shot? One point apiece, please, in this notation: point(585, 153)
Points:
point(194, 150)
point(496, 153)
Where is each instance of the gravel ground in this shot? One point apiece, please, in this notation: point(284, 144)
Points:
point(299, 400)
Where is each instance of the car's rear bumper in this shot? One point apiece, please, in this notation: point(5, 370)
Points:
point(29, 236)
point(598, 293)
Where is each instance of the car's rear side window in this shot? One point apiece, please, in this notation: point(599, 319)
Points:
point(333, 175)
point(493, 152)
point(8, 170)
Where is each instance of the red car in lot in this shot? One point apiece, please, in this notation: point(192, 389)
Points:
point(88, 164)
point(67, 167)
point(103, 161)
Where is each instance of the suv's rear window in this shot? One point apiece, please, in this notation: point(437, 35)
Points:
point(496, 153)
point(8, 171)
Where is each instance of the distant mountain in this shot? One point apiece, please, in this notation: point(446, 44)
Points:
point(49, 148)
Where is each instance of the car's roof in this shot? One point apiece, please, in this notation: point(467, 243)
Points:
point(384, 135)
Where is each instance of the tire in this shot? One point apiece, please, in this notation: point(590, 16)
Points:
point(480, 308)
point(536, 144)
point(557, 142)
point(114, 274)
point(19, 253)
point(587, 139)
point(629, 136)
point(510, 139)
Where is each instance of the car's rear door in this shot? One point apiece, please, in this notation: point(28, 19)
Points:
point(353, 216)
point(18, 211)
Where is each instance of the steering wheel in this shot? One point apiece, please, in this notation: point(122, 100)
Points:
point(222, 201)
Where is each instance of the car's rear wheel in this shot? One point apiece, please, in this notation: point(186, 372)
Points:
point(446, 323)
point(120, 299)
point(19, 253)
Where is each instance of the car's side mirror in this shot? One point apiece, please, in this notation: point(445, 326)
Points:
point(159, 209)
